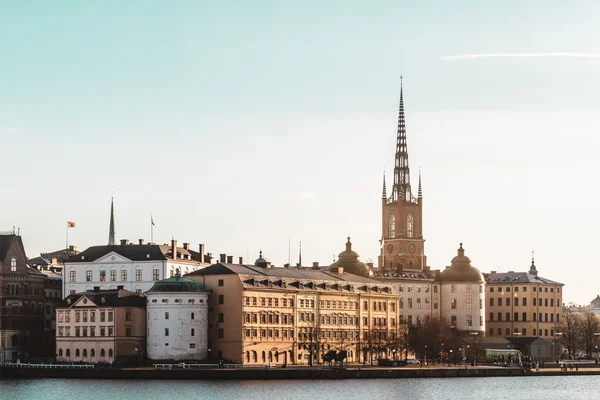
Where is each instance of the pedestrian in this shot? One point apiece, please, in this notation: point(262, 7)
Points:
point(576, 367)
point(537, 366)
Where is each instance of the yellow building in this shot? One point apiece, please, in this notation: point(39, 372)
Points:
point(522, 304)
point(262, 314)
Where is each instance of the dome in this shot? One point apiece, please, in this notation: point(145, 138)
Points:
point(260, 260)
point(348, 260)
point(177, 284)
point(461, 270)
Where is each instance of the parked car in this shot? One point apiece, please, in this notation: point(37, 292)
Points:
point(413, 361)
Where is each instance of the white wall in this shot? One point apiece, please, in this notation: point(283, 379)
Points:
point(461, 312)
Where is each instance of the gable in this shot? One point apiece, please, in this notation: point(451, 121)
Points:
point(112, 257)
point(84, 301)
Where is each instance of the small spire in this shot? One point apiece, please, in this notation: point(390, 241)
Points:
point(348, 244)
point(533, 269)
point(420, 193)
point(384, 192)
point(111, 230)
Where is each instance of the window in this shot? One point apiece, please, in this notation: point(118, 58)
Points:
point(192, 316)
point(128, 315)
point(469, 320)
point(508, 301)
point(392, 226)
point(221, 333)
point(481, 304)
point(221, 317)
point(221, 283)
point(469, 289)
point(102, 332)
point(193, 332)
point(72, 276)
point(534, 301)
point(452, 304)
point(155, 274)
point(508, 316)
point(453, 288)
point(102, 276)
point(88, 276)
point(92, 331)
point(192, 345)
point(419, 303)
point(469, 303)
point(516, 317)
point(110, 316)
point(524, 302)
point(524, 316)
point(409, 226)
point(491, 289)
point(138, 275)
point(435, 303)
point(453, 320)
point(127, 331)
point(166, 315)
point(499, 301)
point(221, 299)
point(492, 317)
point(499, 316)
point(516, 301)
point(113, 275)
point(480, 288)
point(166, 331)
point(491, 302)
point(410, 302)
point(123, 275)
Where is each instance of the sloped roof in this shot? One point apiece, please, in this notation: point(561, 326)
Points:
point(517, 277)
point(6, 242)
point(132, 252)
point(112, 297)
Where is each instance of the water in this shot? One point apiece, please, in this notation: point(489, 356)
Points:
point(539, 387)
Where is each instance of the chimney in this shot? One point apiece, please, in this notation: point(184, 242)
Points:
point(340, 270)
point(241, 260)
point(222, 257)
point(124, 242)
point(96, 288)
point(71, 247)
point(316, 265)
point(268, 265)
point(229, 259)
point(141, 241)
point(208, 257)
point(174, 248)
point(120, 287)
point(201, 253)
point(186, 246)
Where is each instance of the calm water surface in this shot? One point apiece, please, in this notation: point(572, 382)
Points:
point(538, 388)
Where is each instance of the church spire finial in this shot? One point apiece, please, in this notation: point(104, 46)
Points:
point(111, 230)
point(420, 193)
point(533, 269)
point(401, 190)
point(384, 192)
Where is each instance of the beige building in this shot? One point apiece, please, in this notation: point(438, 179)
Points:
point(101, 326)
point(263, 314)
point(522, 304)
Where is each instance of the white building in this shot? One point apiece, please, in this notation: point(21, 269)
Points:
point(463, 294)
point(136, 267)
point(177, 310)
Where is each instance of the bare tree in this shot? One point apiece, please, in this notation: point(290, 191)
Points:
point(589, 329)
point(569, 331)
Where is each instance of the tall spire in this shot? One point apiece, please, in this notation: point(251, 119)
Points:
point(420, 195)
point(384, 192)
point(111, 230)
point(401, 190)
point(533, 269)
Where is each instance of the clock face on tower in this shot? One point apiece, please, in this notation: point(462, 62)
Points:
point(412, 248)
point(390, 248)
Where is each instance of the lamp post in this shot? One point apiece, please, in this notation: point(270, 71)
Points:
point(556, 336)
point(425, 354)
point(442, 354)
point(596, 335)
point(450, 358)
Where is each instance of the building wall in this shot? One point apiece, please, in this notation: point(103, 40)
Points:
point(418, 299)
point(183, 317)
point(461, 301)
point(512, 307)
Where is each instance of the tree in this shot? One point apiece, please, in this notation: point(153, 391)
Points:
point(589, 327)
point(569, 331)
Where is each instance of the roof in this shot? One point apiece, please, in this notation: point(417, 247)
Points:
point(278, 272)
point(132, 252)
point(461, 269)
point(398, 274)
point(177, 284)
point(6, 242)
point(112, 297)
point(517, 277)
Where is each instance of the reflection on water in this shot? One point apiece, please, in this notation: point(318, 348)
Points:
point(561, 387)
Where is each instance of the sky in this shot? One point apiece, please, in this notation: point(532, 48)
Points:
point(250, 125)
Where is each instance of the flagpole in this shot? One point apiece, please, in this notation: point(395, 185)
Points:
point(151, 229)
point(67, 241)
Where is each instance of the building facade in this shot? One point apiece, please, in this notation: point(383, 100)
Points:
point(101, 326)
point(21, 303)
point(136, 267)
point(177, 311)
point(522, 304)
point(267, 315)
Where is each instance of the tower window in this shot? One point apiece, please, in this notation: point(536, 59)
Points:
point(392, 226)
point(13, 264)
point(409, 226)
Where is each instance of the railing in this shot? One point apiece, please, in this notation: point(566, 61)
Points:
point(55, 366)
point(186, 365)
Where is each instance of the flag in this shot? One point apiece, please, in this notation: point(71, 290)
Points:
point(152, 220)
point(70, 224)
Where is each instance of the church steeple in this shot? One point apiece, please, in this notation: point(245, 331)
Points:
point(111, 229)
point(420, 195)
point(401, 190)
point(384, 192)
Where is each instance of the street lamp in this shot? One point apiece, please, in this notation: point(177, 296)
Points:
point(425, 354)
point(556, 336)
point(442, 355)
point(450, 358)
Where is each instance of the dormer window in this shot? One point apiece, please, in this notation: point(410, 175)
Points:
point(13, 264)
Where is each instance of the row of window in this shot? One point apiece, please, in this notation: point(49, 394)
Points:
point(409, 226)
point(34, 290)
point(537, 317)
point(253, 318)
point(167, 331)
point(409, 288)
point(524, 289)
point(27, 309)
point(409, 303)
point(523, 332)
point(468, 320)
point(536, 302)
point(468, 304)
point(82, 316)
point(468, 288)
point(269, 333)
point(270, 301)
point(83, 331)
point(89, 275)
point(85, 353)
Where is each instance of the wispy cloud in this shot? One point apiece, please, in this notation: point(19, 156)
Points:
point(521, 55)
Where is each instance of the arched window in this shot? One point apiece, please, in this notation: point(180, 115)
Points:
point(277, 356)
point(92, 353)
point(110, 352)
point(392, 226)
point(270, 357)
point(25, 288)
point(13, 264)
point(102, 353)
point(17, 289)
point(60, 352)
point(15, 340)
point(410, 231)
point(264, 358)
point(76, 352)
point(247, 356)
point(254, 356)
point(68, 353)
point(85, 352)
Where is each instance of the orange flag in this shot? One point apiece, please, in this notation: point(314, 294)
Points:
point(70, 224)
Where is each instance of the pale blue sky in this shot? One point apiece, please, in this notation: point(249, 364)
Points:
point(242, 124)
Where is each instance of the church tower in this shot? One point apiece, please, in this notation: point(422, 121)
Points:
point(402, 243)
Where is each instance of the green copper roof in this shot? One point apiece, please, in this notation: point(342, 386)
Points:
point(177, 284)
